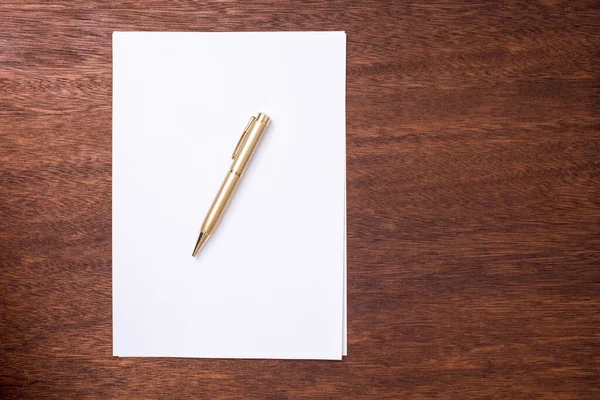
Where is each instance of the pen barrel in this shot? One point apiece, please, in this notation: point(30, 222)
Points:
point(241, 157)
point(249, 144)
point(220, 202)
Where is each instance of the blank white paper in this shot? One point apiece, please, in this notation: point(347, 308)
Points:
point(345, 288)
point(270, 282)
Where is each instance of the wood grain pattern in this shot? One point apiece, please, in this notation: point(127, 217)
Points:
point(473, 201)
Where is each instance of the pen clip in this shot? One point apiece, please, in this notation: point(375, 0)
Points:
point(244, 134)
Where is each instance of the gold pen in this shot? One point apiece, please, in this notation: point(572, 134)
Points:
point(241, 156)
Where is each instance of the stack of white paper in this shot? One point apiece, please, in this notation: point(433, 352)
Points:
point(270, 282)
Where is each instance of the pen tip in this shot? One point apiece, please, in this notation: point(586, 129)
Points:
point(202, 238)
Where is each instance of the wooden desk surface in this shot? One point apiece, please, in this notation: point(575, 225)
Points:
point(473, 202)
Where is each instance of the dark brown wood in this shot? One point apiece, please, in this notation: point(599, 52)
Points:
point(473, 202)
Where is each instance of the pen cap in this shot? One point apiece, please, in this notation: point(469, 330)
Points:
point(249, 142)
point(263, 119)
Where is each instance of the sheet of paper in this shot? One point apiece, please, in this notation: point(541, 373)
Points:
point(270, 281)
point(345, 289)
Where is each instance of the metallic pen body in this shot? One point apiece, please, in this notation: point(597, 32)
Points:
point(244, 150)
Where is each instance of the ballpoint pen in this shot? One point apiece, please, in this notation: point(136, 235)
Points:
point(241, 156)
